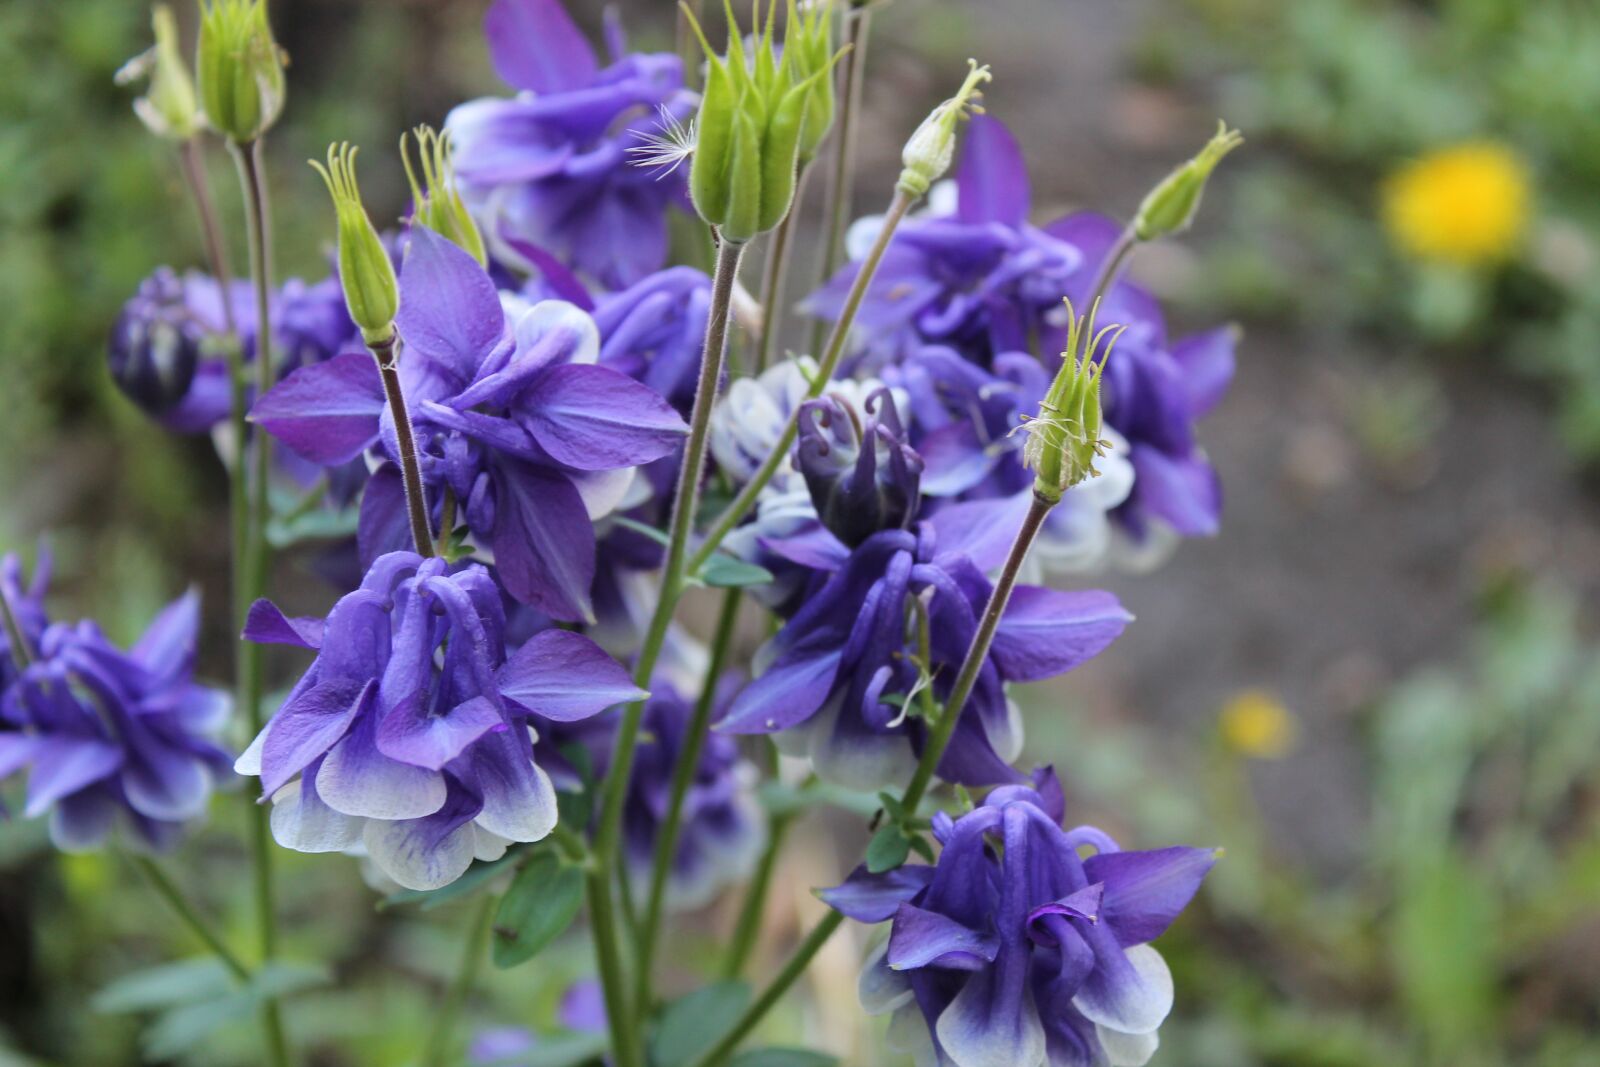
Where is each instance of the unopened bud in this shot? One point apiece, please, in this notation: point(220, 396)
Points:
point(240, 69)
point(1170, 207)
point(932, 147)
point(365, 271)
point(862, 475)
point(1064, 439)
point(168, 108)
point(808, 48)
point(436, 203)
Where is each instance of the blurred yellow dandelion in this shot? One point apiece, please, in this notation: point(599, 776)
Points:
point(1466, 204)
point(1256, 724)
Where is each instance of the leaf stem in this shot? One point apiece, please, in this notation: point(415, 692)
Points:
point(441, 1037)
point(186, 913)
point(755, 899)
point(15, 640)
point(775, 274)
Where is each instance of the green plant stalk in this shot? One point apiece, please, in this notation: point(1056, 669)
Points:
point(684, 506)
point(441, 1037)
point(1115, 259)
point(841, 180)
point(683, 775)
point(186, 913)
point(748, 926)
point(252, 584)
point(776, 273)
point(736, 511)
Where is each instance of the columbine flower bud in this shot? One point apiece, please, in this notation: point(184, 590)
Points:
point(240, 69)
point(808, 48)
point(1170, 206)
point(370, 290)
point(748, 133)
point(168, 108)
point(436, 203)
point(928, 154)
point(1064, 439)
point(862, 475)
point(155, 344)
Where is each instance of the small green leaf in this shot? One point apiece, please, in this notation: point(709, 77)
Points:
point(183, 982)
point(186, 1027)
point(281, 979)
point(783, 1057)
point(888, 849)
point(539, 906)
point(920, 846)
point(722, 571)
point(690, 1024)
point(658, 536)
point(320, 524)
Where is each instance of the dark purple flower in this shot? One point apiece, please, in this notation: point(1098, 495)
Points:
point(722, 828)
point(653, 331)
point(155, 345)
point(841, 680)
point(514, 421)
point(862, 475)
point(410, 732)
point(112, 736)
point(550, 167)
point(1016, 951)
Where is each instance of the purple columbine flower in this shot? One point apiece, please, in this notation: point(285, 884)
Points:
point(722, 830)
point(550, 167)
point(515, 424)
point(1015, 951)
point(412, 732)
point(842, 678)
point(653, 331)
point(111, 736)
point(862, 475)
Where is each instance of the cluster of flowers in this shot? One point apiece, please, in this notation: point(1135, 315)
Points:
point(548, 358)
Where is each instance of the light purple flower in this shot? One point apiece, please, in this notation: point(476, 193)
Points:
point(1015, 951)
point(410, 734)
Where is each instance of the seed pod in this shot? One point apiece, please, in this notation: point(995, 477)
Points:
point(240, 69)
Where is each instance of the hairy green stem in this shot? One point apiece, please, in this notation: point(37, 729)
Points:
point(186, 913)
point(383, 353)
point(755, 898)
point(841, 180)
point(685, 769)
point(1118, 255)
point(439, 1051)
point(775, 274)
point(736, 511)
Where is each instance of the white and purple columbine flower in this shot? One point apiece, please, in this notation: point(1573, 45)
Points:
point(550, 167)
point(1013, 951)
point(515, 422)
point(411, 735)
point(839, 682)
point(111, 737)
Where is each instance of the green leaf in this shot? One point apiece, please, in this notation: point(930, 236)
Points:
point(722, 571)
point(280, 979)
point(888, 849)
point(183, 982)
point(477, 875)
point(783, 1057)
point(184, 1028)
point(320, 524)
point(541, 903)
point(690, 1024)
point(658, 536)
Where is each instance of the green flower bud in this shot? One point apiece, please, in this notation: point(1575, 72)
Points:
point(436, 203)
point(240, 69)
point(749, 130)
point(365, 271)
point(807, 49)
point(1064, 439)
point(1170, 207)
point(168, 108)
point(928, 153)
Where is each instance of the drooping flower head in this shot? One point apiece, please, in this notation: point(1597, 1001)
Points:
point(550, 166)
point(862, 475)
point(1015, 950)
point(112, 738)
point(412, 732)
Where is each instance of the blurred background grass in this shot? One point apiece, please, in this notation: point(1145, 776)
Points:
point(1377, 689)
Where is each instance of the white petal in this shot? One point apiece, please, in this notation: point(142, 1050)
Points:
point(405, 856)
point(1127, 1050)
point(487, 845)
point(1142, 1003)
point(880, 987)
point(602, 491)
point(249, 761)
point(360, 780)
point(515, 815)
point(311, 827)
point(908, 1033)
point(971, 1036)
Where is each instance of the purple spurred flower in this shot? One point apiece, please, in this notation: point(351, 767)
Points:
point(653, 331)
point(1015, 951)
point(412, 732)
point(550, 167)
point(841, 679)
point(111, 736)
point(862, 475)
point(515, 422)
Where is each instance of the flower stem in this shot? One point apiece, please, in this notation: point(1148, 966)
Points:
point(683, 775)
point(736, 511)
point(251, 583)
point(755, 899)
point(841, 180)
point(624, 1034)
point(191, 156)
point(383, 352)
point(1116, 257)
point(15, 641)
point(442, 1036)
point(186, 913)
point(775, 274)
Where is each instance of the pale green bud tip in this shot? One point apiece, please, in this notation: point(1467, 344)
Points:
point(365, 271)
point(168, 109)
point(1171, 206)
point(239, 67)
point(928, 153)
point(436, 203)
point(1064, 438)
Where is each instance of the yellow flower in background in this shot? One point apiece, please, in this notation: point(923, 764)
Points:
point(1466, 205)
point(1256, 724)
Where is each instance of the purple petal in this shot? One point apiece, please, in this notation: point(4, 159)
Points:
point(383, 526)
point(874, 898)
point(412, 734)
point(992, 180)
point(266, 624)
point(534, 45)
point(1084, 904)
point(789, 693)
point(1207, 361)
point(565, 677)
point(954, 459)
point(543, 541)
point(993, 1021)
point(328, 412)
point(561, 281)
point(449, 309)
point(594, 418)
point(357, 779)
point(981, 530)
point(1145, 891)
point(519, 800)
point(927, 939)
point(167, 647)
point(310, 723)
point(1184, 492)
point(63, 766)
point(1129, 990)
point(1046, 632)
